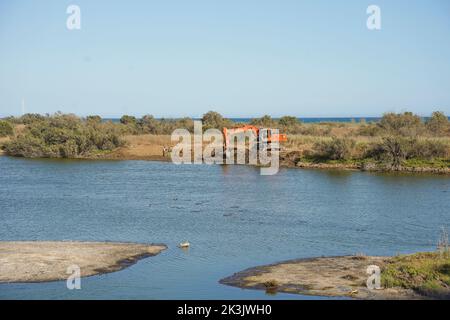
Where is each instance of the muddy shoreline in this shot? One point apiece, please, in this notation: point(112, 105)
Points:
point(344, 276)
point(298, 165)
point(302, 165)
point(46, 261)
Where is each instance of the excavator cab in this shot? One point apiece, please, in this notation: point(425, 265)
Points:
point(269, 137)
point(275, 137)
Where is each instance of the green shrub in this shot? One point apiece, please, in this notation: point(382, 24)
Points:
point(126, 119)
point(395, 149)
point(214, 120)
point(64, 136)
point(392, 150)
point(288, 121)
point(406, 124)
point(6, 129)
point(315, 130)
point(335, 149)
point(438, 124)
point(28, 146)
point(148, 124)
point(368, 130)
point(93, 119)
point(427, 149)
point(265, 122)
point(29, 118)
point(426, 273)
point(289, 124)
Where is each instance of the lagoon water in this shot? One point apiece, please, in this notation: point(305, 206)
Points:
point(233, 217)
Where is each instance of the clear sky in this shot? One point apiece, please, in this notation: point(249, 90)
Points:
point(243, 58)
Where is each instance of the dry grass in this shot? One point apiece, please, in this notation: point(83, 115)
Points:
point(4, 139)
point(143, 146)
point(305, 143)
point(148, 139)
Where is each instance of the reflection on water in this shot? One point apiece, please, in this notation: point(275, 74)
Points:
point(233, 217)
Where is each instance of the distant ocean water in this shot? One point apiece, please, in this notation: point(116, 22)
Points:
point(320, 119)
point(305, 120)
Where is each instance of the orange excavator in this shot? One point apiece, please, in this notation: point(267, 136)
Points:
point(271, 137)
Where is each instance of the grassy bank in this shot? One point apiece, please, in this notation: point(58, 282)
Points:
point(426, 273)
point(61, 136)
point(398, 142)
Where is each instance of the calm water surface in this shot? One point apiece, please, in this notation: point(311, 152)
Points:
point(233, 217)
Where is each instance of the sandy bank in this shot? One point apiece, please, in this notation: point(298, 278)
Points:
point(330, 276)
point(40, 261)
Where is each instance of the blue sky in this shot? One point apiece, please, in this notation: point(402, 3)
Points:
point(242, 58)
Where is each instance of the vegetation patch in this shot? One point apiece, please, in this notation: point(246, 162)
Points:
point(63, 136)
point(6, 128)
point(426, 273)
point(397, 142)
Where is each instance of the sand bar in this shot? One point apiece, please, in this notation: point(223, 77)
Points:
point(41, 261)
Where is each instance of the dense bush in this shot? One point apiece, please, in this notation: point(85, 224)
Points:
point(406, 124)
point(150, 125)
point(30, 118)
point(426, 149)
point(93, 119)
point(368, 130)
point(289, 124)
point(335, 149)
point(214, 120)
point(126, 119)
point(320, 130)
point(64, 136)
point(265, 121)
point(393, 150)
point(6, 128)
point(438, 124)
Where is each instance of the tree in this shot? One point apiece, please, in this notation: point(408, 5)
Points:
point(126, 119)
point(265, 121)
point(335, 149)
point(6, 128)
point(406, 124)
point(288, 121)
point(149, 124)
point(438, 124)
point(31, 117)
point(213, 120)
point(93, 119)
point(63, 136)
point(290, 124)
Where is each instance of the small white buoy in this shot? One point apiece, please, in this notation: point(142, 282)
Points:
point(185, 244)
